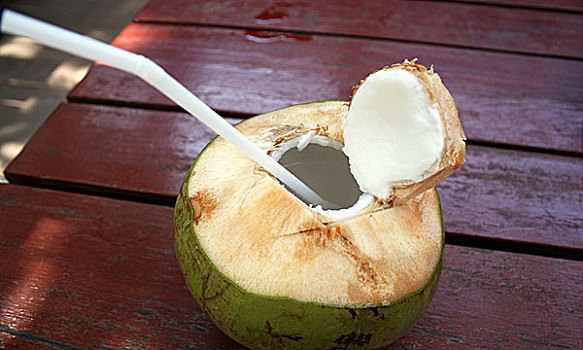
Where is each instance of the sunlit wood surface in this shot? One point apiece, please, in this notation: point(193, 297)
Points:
point(86, 249)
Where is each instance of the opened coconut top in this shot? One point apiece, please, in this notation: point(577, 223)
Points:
point(269, 242)
point(402, 133)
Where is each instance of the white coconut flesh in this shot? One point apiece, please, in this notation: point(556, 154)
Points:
point(393, 133)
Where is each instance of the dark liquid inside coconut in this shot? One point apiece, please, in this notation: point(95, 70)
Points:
point(326, 171)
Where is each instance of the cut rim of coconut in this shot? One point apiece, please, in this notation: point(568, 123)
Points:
point(402, 134)
point(364, 201)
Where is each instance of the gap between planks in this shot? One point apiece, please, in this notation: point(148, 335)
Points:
point(527, 5)
point(356, 36)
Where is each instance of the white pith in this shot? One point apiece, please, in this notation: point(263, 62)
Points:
point(393, 134)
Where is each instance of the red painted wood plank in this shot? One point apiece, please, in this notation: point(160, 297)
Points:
point(125, 150)
point(89, 272)
point(516, 196)
point(490, 300)
point(499, 194)
point(502, 98)
point(444, 23)
point(84, 272)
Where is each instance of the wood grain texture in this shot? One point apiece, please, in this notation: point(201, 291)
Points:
point(81, 272)
point(123, 150)
point(516, 196)
point(499, 194)
point(88, 272)
point(490, 300)
point(502, 98)
point(444, 23)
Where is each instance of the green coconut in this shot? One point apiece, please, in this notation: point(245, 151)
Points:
point(273, 272)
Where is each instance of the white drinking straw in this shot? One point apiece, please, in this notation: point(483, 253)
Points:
point(94, 50)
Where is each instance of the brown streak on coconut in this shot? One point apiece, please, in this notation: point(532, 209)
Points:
point(331, 237)
point(203, 204)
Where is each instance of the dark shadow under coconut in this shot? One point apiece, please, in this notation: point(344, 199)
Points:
point(326, 171)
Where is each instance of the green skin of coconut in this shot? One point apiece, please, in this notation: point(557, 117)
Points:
point(268, 322)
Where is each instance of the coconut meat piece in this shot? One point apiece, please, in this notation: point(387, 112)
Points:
point(393, 134)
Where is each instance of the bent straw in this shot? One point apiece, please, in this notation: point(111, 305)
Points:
point(94, 50)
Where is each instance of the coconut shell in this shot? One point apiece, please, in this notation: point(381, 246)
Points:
point(274, 274)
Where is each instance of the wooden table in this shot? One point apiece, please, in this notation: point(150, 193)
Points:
point(86, 249)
